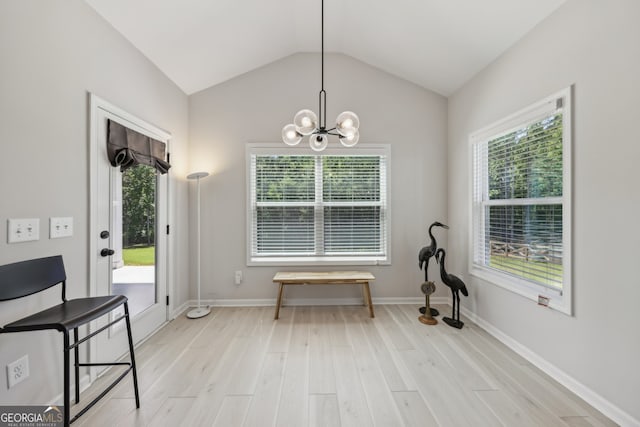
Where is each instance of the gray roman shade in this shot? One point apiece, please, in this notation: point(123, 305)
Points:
point(127, 148)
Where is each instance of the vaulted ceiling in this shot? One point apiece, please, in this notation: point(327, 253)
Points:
point(437, 44)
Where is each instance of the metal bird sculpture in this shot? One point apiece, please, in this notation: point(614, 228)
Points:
point(456, 285)
point(425, 255)
point(429, 251)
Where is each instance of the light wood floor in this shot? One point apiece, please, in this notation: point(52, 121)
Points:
point(333, 366)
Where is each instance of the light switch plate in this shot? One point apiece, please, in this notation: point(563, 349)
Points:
point(23, 230)
point(60, 227)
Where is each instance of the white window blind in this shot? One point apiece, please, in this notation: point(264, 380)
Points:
point(318, 207)
point(520, 202)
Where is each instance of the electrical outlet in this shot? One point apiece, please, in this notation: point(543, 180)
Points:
point(18, 371)
point(23, 230)
point(238, 277)
point(60, 227)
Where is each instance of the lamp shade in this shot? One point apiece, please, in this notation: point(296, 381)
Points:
point(197, 175)
point(318, 142)
point(290, 135)
point(347, 122)
point(305, 121)
point(351, 138)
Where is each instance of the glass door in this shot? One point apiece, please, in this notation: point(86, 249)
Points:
point(133, 271)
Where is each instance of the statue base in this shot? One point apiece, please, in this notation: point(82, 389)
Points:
point(427, 320)
point(454, 323)
point(434, 312)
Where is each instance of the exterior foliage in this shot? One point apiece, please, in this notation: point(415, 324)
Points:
point(318, 205)
point(527, 164)
point(520, 178)
point(138, 206)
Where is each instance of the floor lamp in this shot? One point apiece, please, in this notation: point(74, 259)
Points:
point(199, 311)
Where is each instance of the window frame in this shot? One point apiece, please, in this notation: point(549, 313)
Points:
point(560, 300)
point(317, 260)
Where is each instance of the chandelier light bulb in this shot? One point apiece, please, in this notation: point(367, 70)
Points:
point(347, 122)
point(305, 122)
point(351, 138)
point(318, 142)
point(290, 135)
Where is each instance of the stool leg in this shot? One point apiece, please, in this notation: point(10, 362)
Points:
point(67, 397)
point(133, 358)
point(279, 301)
point(76, 353)
point(368, 297)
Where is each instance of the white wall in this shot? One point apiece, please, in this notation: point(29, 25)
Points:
point(595, 46)
point(255, 106)
point(52, 54)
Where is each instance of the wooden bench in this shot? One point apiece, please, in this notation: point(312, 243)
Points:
point(325, 278)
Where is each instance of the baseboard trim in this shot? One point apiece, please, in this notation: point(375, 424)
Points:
point(609, 409)
point(85, 382)
point(266, 302)
point(180, 309)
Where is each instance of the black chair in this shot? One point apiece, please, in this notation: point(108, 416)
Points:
point(29, 277)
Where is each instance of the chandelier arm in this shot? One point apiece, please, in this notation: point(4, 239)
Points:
point(323, 131)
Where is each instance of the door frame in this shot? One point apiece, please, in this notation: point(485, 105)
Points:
point(96, 104)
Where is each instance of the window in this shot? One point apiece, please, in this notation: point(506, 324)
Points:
point(312, 208)
point(521, 207)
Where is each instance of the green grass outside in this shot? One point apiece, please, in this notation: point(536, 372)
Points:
point(541, 272)
point(139, 255)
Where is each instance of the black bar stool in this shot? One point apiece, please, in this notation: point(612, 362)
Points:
point(29, 277)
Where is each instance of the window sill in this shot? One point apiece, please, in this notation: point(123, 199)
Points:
point(557, 300)
point(316, 261)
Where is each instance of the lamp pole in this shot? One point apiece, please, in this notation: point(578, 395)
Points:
point(199, 311)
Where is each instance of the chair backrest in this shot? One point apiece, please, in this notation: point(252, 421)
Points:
point(29, 277)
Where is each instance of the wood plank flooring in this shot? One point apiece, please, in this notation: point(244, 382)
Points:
point(333, 366)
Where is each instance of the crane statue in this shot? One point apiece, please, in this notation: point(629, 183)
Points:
point(423, 259)
point(456, 285)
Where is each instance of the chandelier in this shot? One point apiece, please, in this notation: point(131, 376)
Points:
point(306, 123)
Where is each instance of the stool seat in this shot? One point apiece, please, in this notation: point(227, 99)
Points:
point(68, 315)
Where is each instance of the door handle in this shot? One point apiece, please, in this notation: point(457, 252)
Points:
point(107, 252)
